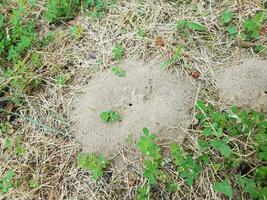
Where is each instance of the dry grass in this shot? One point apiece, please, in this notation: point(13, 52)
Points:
point(43, 124)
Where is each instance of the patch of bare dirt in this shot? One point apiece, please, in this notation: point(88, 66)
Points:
point(245, 85)
point(147, 97)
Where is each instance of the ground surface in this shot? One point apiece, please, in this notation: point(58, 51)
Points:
point(43, 149)
point(245, 85)
point(145, 97)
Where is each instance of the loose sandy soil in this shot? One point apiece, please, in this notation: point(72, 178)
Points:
point(146, 97)
point(245, 85)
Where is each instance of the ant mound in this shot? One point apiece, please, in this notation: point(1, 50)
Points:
point(245, 85)
point(145, 97)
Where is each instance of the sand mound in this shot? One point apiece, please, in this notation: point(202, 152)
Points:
point(245, 85)
point(146, 97)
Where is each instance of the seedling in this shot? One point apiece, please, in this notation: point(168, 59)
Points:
point(76, 31)
point(33, 184)
point(227, 17)
point(148, 146)
point(117, 52)
point(253, 25)
point(118, 71)
point(110, 116)
point(232, 30)
point(173, 59)
point(6, 182)
point(62, 79)
point(96, 164)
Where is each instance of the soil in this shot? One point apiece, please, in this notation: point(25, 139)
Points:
point(245, 85)
point(147, 97)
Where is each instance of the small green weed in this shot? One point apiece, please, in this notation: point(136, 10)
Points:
point(76, 32)
point(5, 127)
point(148, 146)
point(227, 17)
point(173, 59)
point(96, 164)
point(232, 30)
point(110, 116)
point(118, 71)
point(6, 183)
point(62, 79)
point(117, 52)
point(33, 184)
point(250, 28)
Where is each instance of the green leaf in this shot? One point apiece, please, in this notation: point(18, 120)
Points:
point(19, 150)
point(110, 116)
point(218, 132)
point(222, 146)
point(259, 49)
point(148, 146)
point(118, 71)
point(232, 30)
point(181, 24)
point(105, 116)
point(32, 2)
point(248, 185)
point(200, 105)
point(33, 184)
point(196, 26)
point(143, 193)
point(207, 131)
point(177, 153)
point(96, 164)
point(1, 20)
point(114, 116)
point(173, 59)
point(261, 172)
point(203, 145)
point(224, 187)
point(151, 171)
point(227, 17)
point(117, 52)
point(8, 143)
point(141, 32)
point(189, 170)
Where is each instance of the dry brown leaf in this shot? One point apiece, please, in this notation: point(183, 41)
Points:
point(195, 74)
point(159, 41)
point(9, 107)
point(263, 31)
point(245, 44)
point(74, 22)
